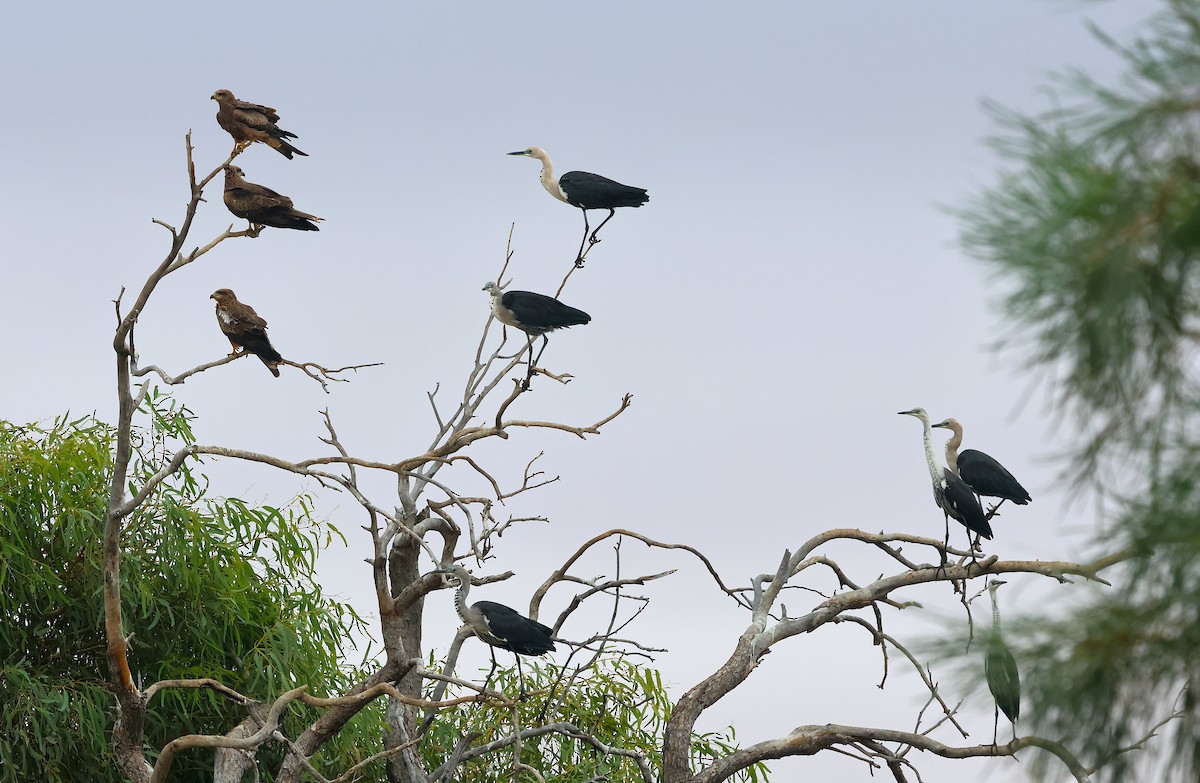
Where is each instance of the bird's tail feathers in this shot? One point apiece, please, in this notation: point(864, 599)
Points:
point(285, 149)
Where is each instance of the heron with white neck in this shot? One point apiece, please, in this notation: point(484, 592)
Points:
point(498, 625)
point(1000, 670)
point(585, 191)
point(950, 492)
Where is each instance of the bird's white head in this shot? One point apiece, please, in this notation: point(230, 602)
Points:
point(491, 287)
point(917, 412)
point(457, 571)
point(994, 583)
point(532, 152)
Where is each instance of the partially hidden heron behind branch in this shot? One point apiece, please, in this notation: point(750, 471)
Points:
point(983, 474)
point(585, 191)
point(951, 493)
point(1000, 669)
point(534, 314)
point(498, 625)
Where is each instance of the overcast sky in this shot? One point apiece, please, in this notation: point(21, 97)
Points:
point(794, 281)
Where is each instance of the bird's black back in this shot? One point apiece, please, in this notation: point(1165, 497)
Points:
point(988, 477)
point(1003, 678)
point(592, 191)
point(515, 632)
point(957, 500)
point(538, 313)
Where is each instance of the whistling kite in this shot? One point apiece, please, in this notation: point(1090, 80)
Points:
point(249, 122)
point(261, 205)
point(245, 329)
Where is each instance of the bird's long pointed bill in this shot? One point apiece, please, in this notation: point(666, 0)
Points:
point(518, 152)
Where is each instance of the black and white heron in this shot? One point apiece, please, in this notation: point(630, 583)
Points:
point(951, 493)
point(982, 473)
point(1000, 669)
point(498, 625)
point(585, 191)
point(534, 314)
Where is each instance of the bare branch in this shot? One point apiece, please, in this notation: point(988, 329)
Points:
point(536, 601)
point(809, 740)
point(167, 757)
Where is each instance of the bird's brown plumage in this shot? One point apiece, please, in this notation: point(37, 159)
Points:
point(245, 328)
point(249, 122)
point(261, 205)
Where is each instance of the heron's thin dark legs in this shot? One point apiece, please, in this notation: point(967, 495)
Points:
point(521, 694)
point(593, 240)
point(582, 242)
point(545, 342)
point(945, 545)
point(487, 680)
point(533, 363)
point(991, 512)
point(996, 725)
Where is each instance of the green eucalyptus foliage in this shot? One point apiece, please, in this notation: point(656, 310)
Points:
point(1093, 234)
point(617, 701)
point(211, 588)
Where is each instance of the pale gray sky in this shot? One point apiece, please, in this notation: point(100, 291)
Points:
point(793, 282)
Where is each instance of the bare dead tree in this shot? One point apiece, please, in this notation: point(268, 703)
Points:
point(422, 527)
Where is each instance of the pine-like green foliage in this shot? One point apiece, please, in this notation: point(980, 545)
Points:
point(211, 588)
point(1094, 236)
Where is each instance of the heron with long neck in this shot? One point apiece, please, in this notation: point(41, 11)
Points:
point(498, 625)
point(951, 493)
point(1000, 670)
point(585, 191)
point(983, 474)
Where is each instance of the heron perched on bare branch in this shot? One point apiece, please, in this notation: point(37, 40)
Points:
point(586, 191)
point(534, 314)
point(951, 493)
point(982, 473)
point(1000, 669)
point(498, 625)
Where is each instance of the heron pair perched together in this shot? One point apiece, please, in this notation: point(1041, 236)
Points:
point(971, 474)
point(538, 314)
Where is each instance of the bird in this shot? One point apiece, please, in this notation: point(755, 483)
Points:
point(982, 473)
point(250, 122)
point(534, 314)
point(586, 191)
point(261, 205)
point(246, 329)
point(1000, 670)
point(950, 492)
point(498, 625)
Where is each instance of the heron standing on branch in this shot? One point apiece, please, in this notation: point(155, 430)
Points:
point(1000, 669)
point(982, 473)
point(951, 493)
point(534, 314)
point(499, 625)
point(586, 191)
